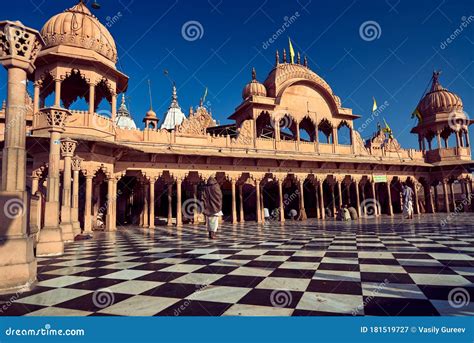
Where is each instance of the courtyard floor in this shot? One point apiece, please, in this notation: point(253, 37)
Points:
point(379, 266)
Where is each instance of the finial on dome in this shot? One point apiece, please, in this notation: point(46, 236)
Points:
point(277, 58)
point(435, 80)
point(284, 55)
point(201, 103)
point(298, 58)
point(306, 61)
point(174, 96)
point(123, 99)
point(254, 74)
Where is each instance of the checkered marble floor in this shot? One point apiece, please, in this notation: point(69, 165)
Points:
point(380, 266)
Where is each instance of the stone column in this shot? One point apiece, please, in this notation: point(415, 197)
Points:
point(435, 198)
point(113, 108)
point(17, 260)
point(333, 200)
point(301, 197)
point(445, 195)
point(152, 203)
point(179, 217)
point(88, 204)
point(339, 192)
point(57, 92)
point(374, 196)
point(234, 202)
point(76, 167)
point(91, 98)
point(416, 206)
point(257, 201)
point(170, 205)
point(280, 195)
point(68, 146)
point(34, 182)
point(356, 182)
point(451, 190)
point(321, 200)
point(241, 203)
point(146, 206)
point(110, 224)
point(389, 194)
point(50, 242)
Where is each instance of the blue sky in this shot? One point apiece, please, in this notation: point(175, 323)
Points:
point(395, 66)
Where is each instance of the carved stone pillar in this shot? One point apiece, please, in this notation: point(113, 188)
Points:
point(451, 190)
point(113, 108)
point(241, 204)
point(234, 202)
point(435, 198)
point(146, 206)
point(170, 205)
point(36, 98)
point(76, 167)
point(257, 200)
point(110, 222)
point(303, 215)
point(389, 195)
point(374, 196)
point(322, 208)
point(91, 98)
point(416, 206)
point(339, 191)
point(57, 92)
point(50, 238)
point(88, 204)
point(68, 146)
point(19, 47)
point(179, 217)
point(356, 182)
point(152, 203)
point(280, 197)
point(445, 195)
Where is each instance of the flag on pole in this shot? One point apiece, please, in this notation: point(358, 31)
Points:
point(387, 129)
point(204, 96)
point(374, 106)
point(292, 52)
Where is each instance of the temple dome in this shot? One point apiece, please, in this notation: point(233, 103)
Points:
point(124, 119)
point(77, 27)
point(174, 116)
point(254, 87)
point(439, 100)
point(150, 114)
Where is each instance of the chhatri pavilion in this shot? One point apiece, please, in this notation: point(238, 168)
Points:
point(291, 145)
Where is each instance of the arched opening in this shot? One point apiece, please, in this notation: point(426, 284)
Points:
point(287, 128)
point(264, 127)
point(74, 90)
point(344, 136)
point(102, 92)
point(47, 91)
point(307, 130)
point(325, 132)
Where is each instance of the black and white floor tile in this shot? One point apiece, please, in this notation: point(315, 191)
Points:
point(383, 266)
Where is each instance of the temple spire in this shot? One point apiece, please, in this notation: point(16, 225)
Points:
point(305, 61)
point(277, 58)
point(435, 85)
point(254, 74)
point(298, 58)
point(284, 55)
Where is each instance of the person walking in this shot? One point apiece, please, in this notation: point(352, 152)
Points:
point(212, 198)
point(407, 195)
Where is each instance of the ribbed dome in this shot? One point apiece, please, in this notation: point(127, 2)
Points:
point(77, 27)
point(254, 87)
point(150, 114)
point(439, 100)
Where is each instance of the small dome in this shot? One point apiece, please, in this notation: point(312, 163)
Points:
point(174, 116)
point(124, 119)
point(150, 114)
point(439, 100)
point(254, 87)
point(77, 27)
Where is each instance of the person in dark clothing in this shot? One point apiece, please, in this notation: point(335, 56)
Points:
point(212, 198)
